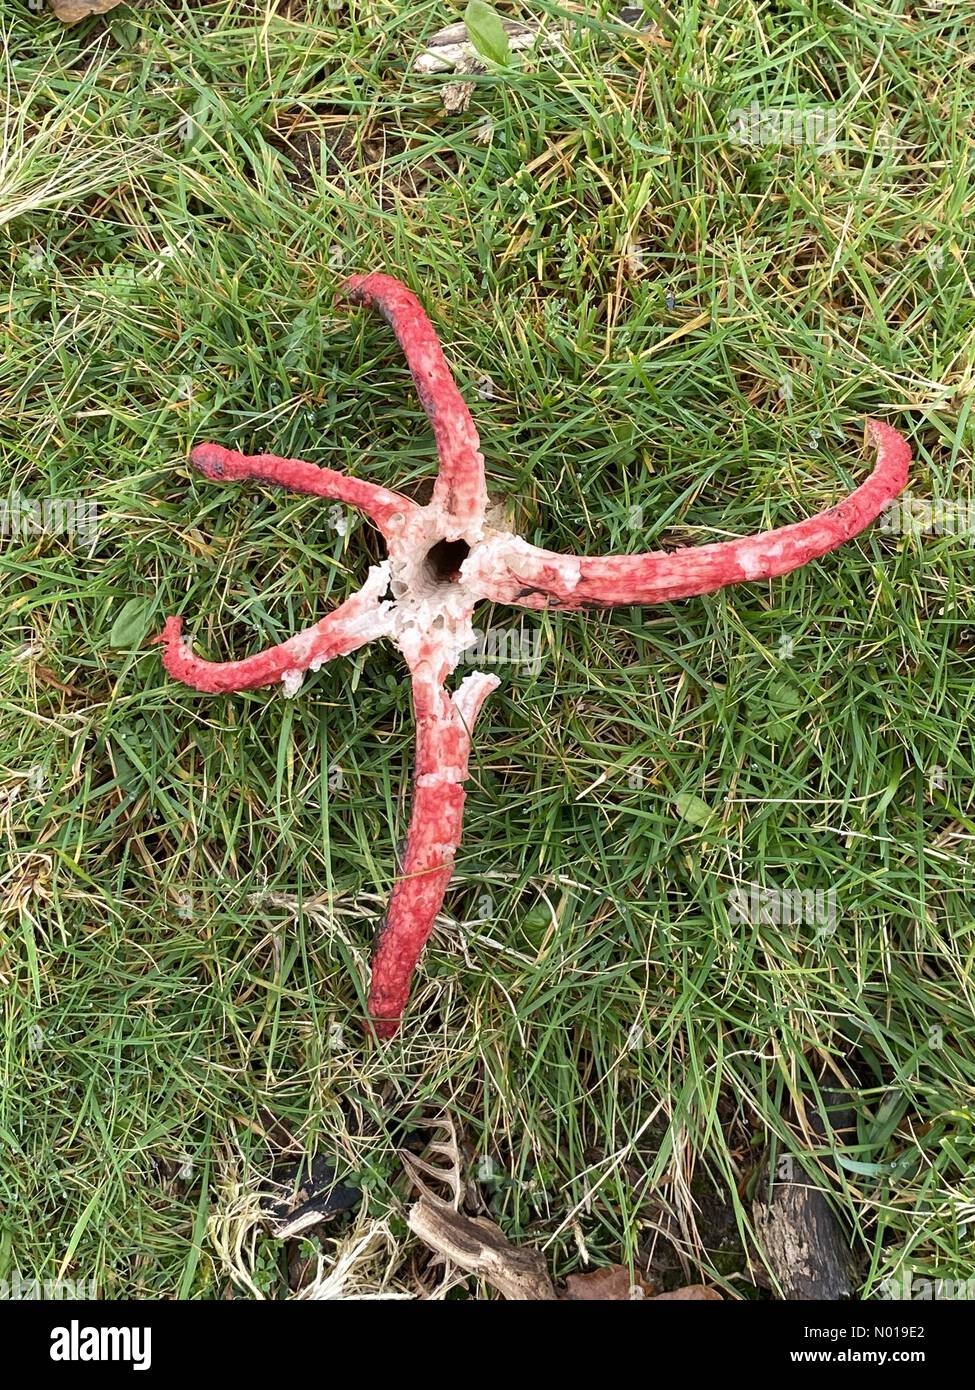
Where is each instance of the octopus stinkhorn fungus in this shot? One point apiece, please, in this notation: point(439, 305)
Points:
point(442, 559)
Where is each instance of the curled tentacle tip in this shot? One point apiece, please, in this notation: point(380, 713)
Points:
point(171, 634)
point(210, 459)
point(383, 1028)
point(352, 287)
point(893, 447)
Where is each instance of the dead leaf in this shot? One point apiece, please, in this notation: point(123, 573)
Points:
point(615, 1282)
point(611, 1282)
point(74, 11)
point(481, 1248)
point(47, 676)
point(691, 1293)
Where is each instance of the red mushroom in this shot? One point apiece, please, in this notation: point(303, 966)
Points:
point(445, 557)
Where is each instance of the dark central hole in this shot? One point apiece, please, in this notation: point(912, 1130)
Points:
point(443, 560)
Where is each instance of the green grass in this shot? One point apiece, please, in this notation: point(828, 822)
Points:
point(190, 886)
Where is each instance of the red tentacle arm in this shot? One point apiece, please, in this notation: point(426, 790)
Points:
point(360, 619)
point(509, 570)
point(385, 508)
point(460, 488)
point(443, 742)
